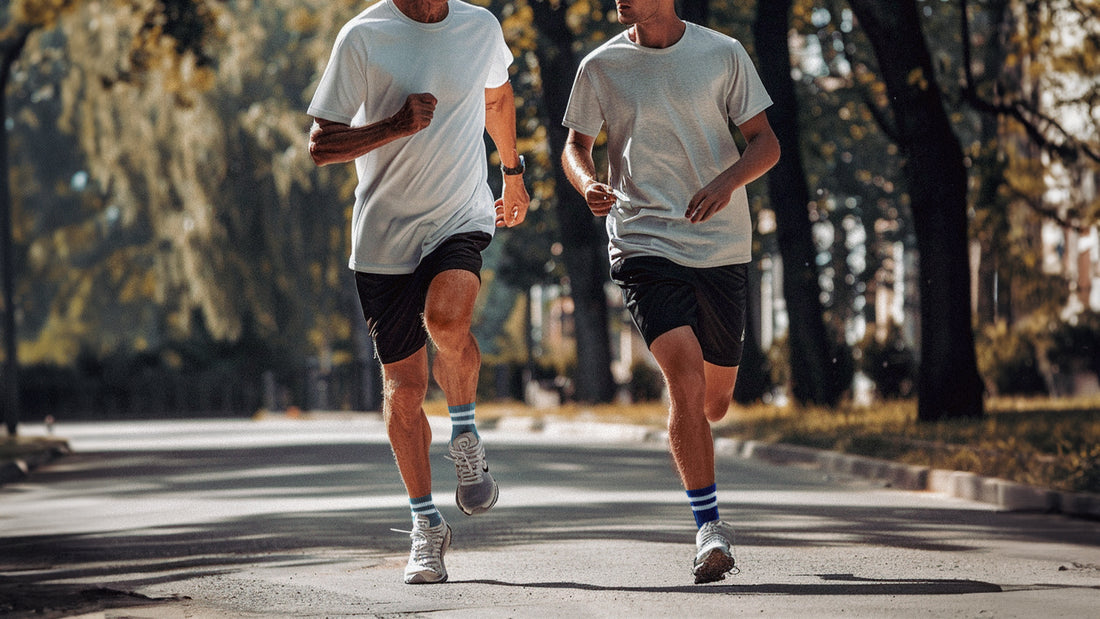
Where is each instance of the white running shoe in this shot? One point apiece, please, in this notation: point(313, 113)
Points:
point(714, 554)
point(426, 557)
point(477, 490)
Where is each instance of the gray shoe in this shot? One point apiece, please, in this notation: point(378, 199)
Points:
point(477, 490)
point(714, 554)
point(426, 557)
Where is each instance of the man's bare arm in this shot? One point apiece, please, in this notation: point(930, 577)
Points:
point(500, 123)
point(580, 169)
point(761, 153)
point(333, 142)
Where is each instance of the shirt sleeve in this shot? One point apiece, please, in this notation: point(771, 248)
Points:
point(342, 89)
point(583, 112)
point(500, 61)
point(747, 96)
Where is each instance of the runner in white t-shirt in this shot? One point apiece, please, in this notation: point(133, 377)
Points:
point(408, 94)
point(677, 218)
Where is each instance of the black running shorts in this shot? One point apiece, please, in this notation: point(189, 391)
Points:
point(394, 304)
point(662, 295)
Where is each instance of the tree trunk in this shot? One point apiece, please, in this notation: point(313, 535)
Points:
point(583, 240)
point(10, 49)
point(949, 385)
point(815, 375)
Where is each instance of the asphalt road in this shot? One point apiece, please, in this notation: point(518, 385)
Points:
point(292, 518)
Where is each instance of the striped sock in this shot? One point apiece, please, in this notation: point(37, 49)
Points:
point(424, 506)
point(704, 504)
point(462, 420)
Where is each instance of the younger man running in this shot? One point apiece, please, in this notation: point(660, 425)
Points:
point(677, 218)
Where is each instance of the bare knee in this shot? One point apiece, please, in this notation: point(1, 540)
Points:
point(448, 328)
point(686, 385)
point(403, 395)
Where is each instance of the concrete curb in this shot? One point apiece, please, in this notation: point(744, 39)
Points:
point(1007, 495)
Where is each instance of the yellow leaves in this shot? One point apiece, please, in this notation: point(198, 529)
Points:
point(41, 13)
point(301, 20)
point(917, 78)
point(518, 30)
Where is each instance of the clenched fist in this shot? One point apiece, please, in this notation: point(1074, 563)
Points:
point(416, 114)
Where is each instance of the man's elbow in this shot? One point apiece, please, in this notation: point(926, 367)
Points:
point(493, 107)
point(770, 150)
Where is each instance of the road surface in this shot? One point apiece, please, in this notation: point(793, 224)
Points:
point(293, 518)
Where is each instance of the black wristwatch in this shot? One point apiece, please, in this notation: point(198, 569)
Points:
point(516, 170)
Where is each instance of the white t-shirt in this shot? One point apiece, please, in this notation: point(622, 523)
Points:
point(667, 113)
point(416, 191)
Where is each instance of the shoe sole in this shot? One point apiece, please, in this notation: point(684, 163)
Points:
point(479, 510)
point(713, 567)
point(420, 579)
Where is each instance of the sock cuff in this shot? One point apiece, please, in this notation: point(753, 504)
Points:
point(704, 504)
point(698, 494)
point(461, 408)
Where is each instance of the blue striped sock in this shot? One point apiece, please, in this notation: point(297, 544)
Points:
point(462, 420)
point(704, 504)
point(424, 506)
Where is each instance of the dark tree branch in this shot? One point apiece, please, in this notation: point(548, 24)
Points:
point(1035, 123)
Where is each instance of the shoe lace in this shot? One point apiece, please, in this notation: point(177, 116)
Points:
point(425, 548)
point(469, 463)
point(711, 534)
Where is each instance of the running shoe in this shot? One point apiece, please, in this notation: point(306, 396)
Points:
point(426, 557)
point(477, 490)
point(714, 555)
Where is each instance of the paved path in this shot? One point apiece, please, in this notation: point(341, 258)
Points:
point(289, 518)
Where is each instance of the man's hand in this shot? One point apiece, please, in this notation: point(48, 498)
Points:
point(511, 209)
point(415, 115)
point(709, 200)
point(600, 198)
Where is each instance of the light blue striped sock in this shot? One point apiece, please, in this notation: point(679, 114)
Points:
point(462, 419)
point(704, 504)
point(424, 506)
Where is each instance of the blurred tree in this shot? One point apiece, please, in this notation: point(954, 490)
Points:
point(198, 191)
point(1049, 91)
point(1029, 70)
point(584, 242)
point(169, 30)
point(814, 363)
point(948, 383)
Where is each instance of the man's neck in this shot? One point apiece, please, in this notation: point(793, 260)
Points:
point(658, 33)
point(423, 11)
